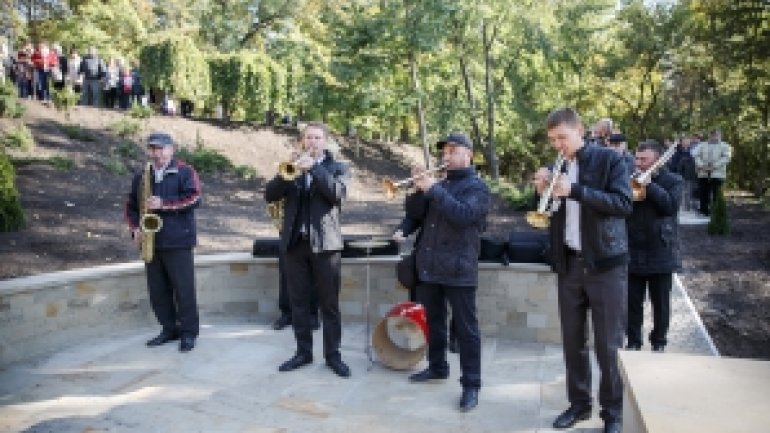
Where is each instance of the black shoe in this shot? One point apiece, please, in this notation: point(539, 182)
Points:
point(658, 348)
point(186, 344)
point(282, 322)
point(573, 414)
point(295, 362)
point(469, 399)
point(162, 338)
point(633, 347)
point(427, 375)
point(612, 426)
point(453, 345)
point(338, 367)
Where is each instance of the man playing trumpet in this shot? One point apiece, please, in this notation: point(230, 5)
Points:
point(451, 215)
point(311, 244)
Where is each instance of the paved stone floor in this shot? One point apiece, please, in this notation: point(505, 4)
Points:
point(230, 383)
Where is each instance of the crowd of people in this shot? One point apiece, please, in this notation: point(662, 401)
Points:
point(37, 68)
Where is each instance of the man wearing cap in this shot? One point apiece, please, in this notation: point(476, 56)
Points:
point(451, 214)
point(176, 192)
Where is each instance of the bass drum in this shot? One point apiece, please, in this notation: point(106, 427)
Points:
point(400, 340)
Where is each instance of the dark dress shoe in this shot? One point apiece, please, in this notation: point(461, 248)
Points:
point(162, 338)
point(612, 426)
point(658, 348)
point(282, 322)
point(427, 375)
point(338, 367)
point(186, 344)
point(469, 399)
point(573, 414)
point(634, 347)
point(295, 362)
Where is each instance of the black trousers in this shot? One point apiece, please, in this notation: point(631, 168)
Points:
point(659, 286)
point(308, 272)
point(604, 294)
point(171, 283)
point(284, 303)
point(708, 188)
point(462, 300)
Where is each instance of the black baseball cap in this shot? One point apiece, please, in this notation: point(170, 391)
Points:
point(457, 138)
point(159, 139)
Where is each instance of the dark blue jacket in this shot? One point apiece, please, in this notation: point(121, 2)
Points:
point(180, 191)
point(451, 216)
point(321, 205)
point(604, 193)
point(653, 228)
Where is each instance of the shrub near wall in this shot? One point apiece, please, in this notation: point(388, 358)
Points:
point(175, 66)
point(247, 85)
point(11, 214)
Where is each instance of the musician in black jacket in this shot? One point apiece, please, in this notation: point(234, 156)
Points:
point(451, 214)
point(589, 252)
point(654, 246)
point(311, 245)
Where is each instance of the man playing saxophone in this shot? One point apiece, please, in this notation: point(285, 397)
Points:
point(172, 192)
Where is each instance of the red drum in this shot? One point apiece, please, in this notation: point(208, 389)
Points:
point(401, 338)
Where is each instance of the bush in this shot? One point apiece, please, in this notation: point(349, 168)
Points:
point(57, 162)
point(139, 111)
point(127, 149)
point(245, 172)
point(125, 127)
point(19, 137)
point(11, 214)
point(115, 166)
point(719, 224)
point(205, 160)
point(64, 100)
point(517, 198)
point(75, 132)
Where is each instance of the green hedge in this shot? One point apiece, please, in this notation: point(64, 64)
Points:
point(174, 65)
point(11, 214)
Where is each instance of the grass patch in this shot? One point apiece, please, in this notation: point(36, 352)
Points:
point(76, 132)
point(9, 104)
point(205, 160)
point(125, 127)
point(19, 137)
point(64, 100)
point(127, 149)
point(115, 166)
point(139, 111)
point(58, 162)
point(245, 172)
point(518, 198)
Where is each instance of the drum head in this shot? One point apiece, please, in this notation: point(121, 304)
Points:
point(405, 333)
point(399, 340)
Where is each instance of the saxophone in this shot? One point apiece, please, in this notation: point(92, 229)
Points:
point(275, 212)
point(149, 223)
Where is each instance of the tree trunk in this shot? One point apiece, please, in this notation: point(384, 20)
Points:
point(471, 101)
point(494, 170)
point(420, 110)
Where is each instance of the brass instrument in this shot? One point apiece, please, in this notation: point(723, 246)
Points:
point(391, 187)
point(289, 170)
point(149, 223)
point(275, 212)
point(639, 180)
point(541, 218)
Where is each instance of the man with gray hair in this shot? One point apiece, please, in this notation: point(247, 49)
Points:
point(711, 159)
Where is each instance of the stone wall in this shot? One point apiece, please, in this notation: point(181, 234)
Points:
point(45, 312)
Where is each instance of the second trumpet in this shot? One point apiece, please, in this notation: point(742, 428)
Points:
point(289, 170)
point(391, 187)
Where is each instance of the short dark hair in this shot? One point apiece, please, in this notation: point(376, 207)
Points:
point(317, 125)
point(562, 115)
point(650, 144)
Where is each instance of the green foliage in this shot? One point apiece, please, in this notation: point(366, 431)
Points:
point(11, 213)
point(175, 66)
point(19, 137)
point(139, 111)
point(127, 149)
point(115, 166)
point(9, 105)
point(719, 223)
point(57, 162)
point(76, 132)
point(517, 198)
point(125, 127)
point(249, 83)
point(245, 172)
point(65, 99)
point(205, 160)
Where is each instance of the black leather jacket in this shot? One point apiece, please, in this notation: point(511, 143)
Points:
point(451, 217)
point(324, 198)
point(653, 234)
point(604, 193)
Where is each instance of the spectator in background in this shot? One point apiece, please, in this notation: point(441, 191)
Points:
point(683, 164)
point(125, 88)
point(58, 70)
point(92, 69)
point(24, 71)
point(74, 78)
point(601, 131)
point(111, 77)
point(43, 61)
point(711, 159)
point(617, 142)
point(137, 90)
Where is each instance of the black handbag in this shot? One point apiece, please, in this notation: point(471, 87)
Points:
point(528, 247)
point(265, 247)
point(406, 271)
point(494, 251)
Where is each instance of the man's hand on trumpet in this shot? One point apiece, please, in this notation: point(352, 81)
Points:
point(423, 180)
point(540, 179)
point(562, 187)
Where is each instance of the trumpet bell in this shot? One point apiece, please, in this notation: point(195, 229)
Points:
point(538, 220)
point(288, 170)
point(390, 187)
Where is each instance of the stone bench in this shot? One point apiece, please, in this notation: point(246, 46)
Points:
point(45, 312)
point(666, 393)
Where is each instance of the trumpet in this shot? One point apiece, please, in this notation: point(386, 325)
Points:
point(289, 170)
point(541, 218)
point(639, 180)
point(391, 187)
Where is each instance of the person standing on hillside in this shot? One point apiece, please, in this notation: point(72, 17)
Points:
point(711, 159)
point(311, 245)
point(176, 193)
point(653, 241)
point(93, 70)
point(589, 252)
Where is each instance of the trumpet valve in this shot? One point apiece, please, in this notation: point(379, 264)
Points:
point(539, 220)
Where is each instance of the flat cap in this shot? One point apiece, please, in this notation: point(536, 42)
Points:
point(457, 138)
point(160, 139)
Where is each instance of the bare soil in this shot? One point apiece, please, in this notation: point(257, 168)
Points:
point(75, 217)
